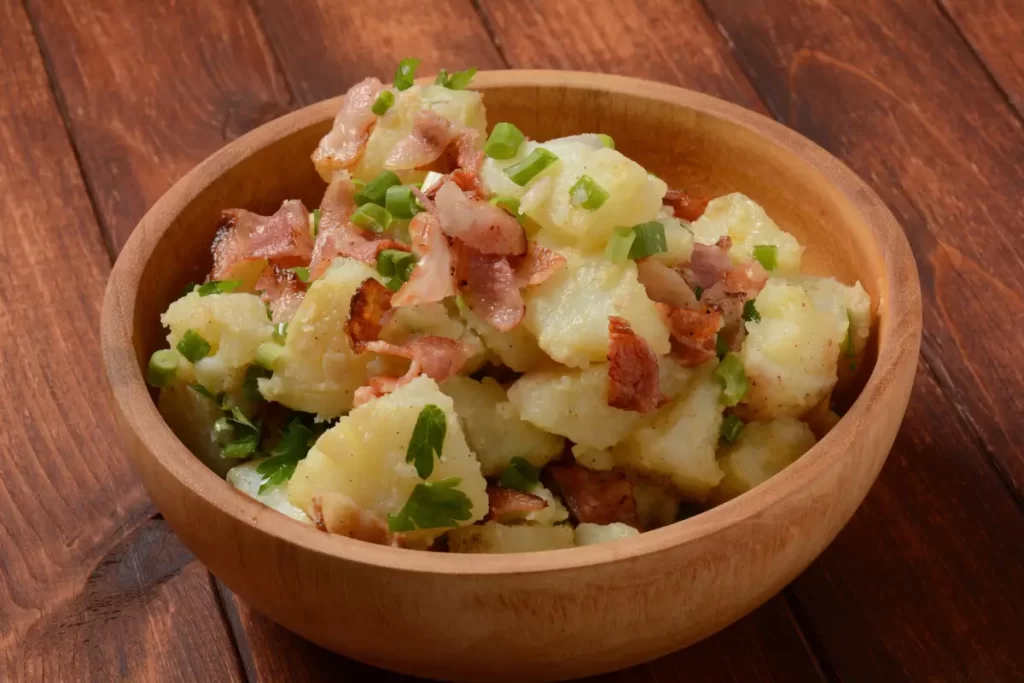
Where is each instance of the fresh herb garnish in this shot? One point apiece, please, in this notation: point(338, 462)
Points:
point(697, 291)
point(519, 475)
point(731, 428)
point(767, 255)
point(721, 346)
point(203, 391)
point(433, 505)
point(733, 379)
point(456, 81)
point(250, 386)
point(219, 287)
point(427, 440)
point(193, 347)
point(301, 272)
point(296, 440)
point(405, 76)
point(750, 313)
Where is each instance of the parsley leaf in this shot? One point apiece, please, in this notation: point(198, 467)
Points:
point(219, 287)
point(250, 387)
point(203, 391)
point(427, 439)
point(750, 312)
point(433, 505)
point(243, 446)
point(296, 440)
point(519, 475)
point(731, 428)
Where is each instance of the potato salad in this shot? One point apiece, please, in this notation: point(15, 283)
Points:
point(480, 342)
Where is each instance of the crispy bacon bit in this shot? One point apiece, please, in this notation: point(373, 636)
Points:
point(684, 206)
point(342, 147)
point(481, 225)
point(489, 288)
point(747, 278)
point(433, 277)
point(665, 285)
point(710, 262)
point(437, 357)
point(597, 497)
point(429, 138)
point(281, 290)
point(536, 265)
point(632, 369)
point(339, 237)
point(336, 513)
point(243, 236)
point(468, 155)
point(693, 334)
point(369, 304)
point(740, 284)
point(468, 181)
point(509, 504)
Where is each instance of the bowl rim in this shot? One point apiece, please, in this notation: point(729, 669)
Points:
point(899, 320)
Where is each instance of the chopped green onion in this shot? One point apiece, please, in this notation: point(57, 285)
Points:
point(731, 428)
point(301, 272)
point(697, 291)
point(192, 346)
point(395, 263)
point(734, 380)
point(267, 354)
point(527, 169)
point(750, 313)
point(280, 332)
point(606, 140)
point(520, 475)
point(721, 346)
point(372, 217)
point(433, 505)
point(375, 191)
point(767, 255)
point(163, 367)
point(223, 431)
point(456, 81)
point(406, 73)
point(587, 194)
point(510, 205)
point(384, 100)
point(619, 244)
point(650, 239)
point(504, 142)
point(219, 287)
point(401, 202)
point(189, 288)
point(314, 223)
point(431, 179)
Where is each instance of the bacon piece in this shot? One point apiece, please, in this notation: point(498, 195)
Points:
point(596, 497)
point(336, 513)
point(741, 283)
point(481, 225)
point(368, 305)
point(243, 236)
point(747, 278)
point(344, 144)
point(665, 285)
point(710, 262)
point(489, 288)
point(429, 138)
point(632, 369)
point(381, 385)
point(281, 290)
point(338, 236)
point(536, 265)
point(433, 277)
point(510, 505)
point(437, 357)
point(693, 334)
point(468, 155)
point(684, 206)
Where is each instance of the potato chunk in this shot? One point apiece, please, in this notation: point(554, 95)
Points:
point(501, 538)
point(762, 450)
point(318, 371)
point(233, 324)
point(569, 312)
point(790, 356)
point(246, 479)
point(589, 534)
point(634, 196)
point(743, 219)
point(190, 415)
point(679, 442)
point(493, 428)
point(363, 456)
point(841, 300)
point(516, 348)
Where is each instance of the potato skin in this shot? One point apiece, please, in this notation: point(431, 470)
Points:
point(502, 538)
point(762, 450)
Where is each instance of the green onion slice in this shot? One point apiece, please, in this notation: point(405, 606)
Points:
point(193, 347)
point(280, 332)
point(267, 354)
point(606, 140)
point(504, 141)
point(301, 272)
point(456, 81)
point(401, 202)
point(650, 239)
point(371, 217)
point(384, 100)
point(219, 287)
point(587, 194)
point(163, 367)
point(620, 244)
point(731, 428)
point(375, 191)
point(509, 204)
point(721, 346)
point(767, 255)
point(733, 379)
point(431, 179)
point(527, 169)
point(314, 223)
point(406, 73)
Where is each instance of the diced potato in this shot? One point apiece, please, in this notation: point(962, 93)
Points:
point(762, 450)
point(600, 460)
point(246, 479)
point(190, 415)
point(318, 371)
point(463, 107)
point(679, 442)
point(569, 312)
point(573, 403)
point(363, 455)
point(790, 356)
point(633, 195)
point(656, 504)
point(233, 324)
point(589, 534)
point(743, 219)
point(431, 318)
point(494, 430)
point(554, 513)
point(679, 241)
point(841, 300)
point(516, 348)
point(502, 538)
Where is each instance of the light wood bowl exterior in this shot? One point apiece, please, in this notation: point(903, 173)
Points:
point(550, 615)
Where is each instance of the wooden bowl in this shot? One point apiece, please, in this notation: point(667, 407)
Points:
point(549, 615)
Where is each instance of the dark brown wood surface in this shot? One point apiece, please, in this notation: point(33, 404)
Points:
point(107, 102)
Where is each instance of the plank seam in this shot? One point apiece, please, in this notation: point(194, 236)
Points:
point(488, 25)
point(819, 653)
point(244, 664)
point(295, 101)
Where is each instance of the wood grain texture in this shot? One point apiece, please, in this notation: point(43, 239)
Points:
point(150, 88)
point(90, 586)
point(893, 92)
point(995, 30)
point(343, 42)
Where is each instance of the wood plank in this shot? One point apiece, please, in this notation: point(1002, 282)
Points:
point(343, 42)
point(995, 30)
point(90, 586)
point(151, 88)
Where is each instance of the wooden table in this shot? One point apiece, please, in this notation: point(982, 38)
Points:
point(106, 103)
